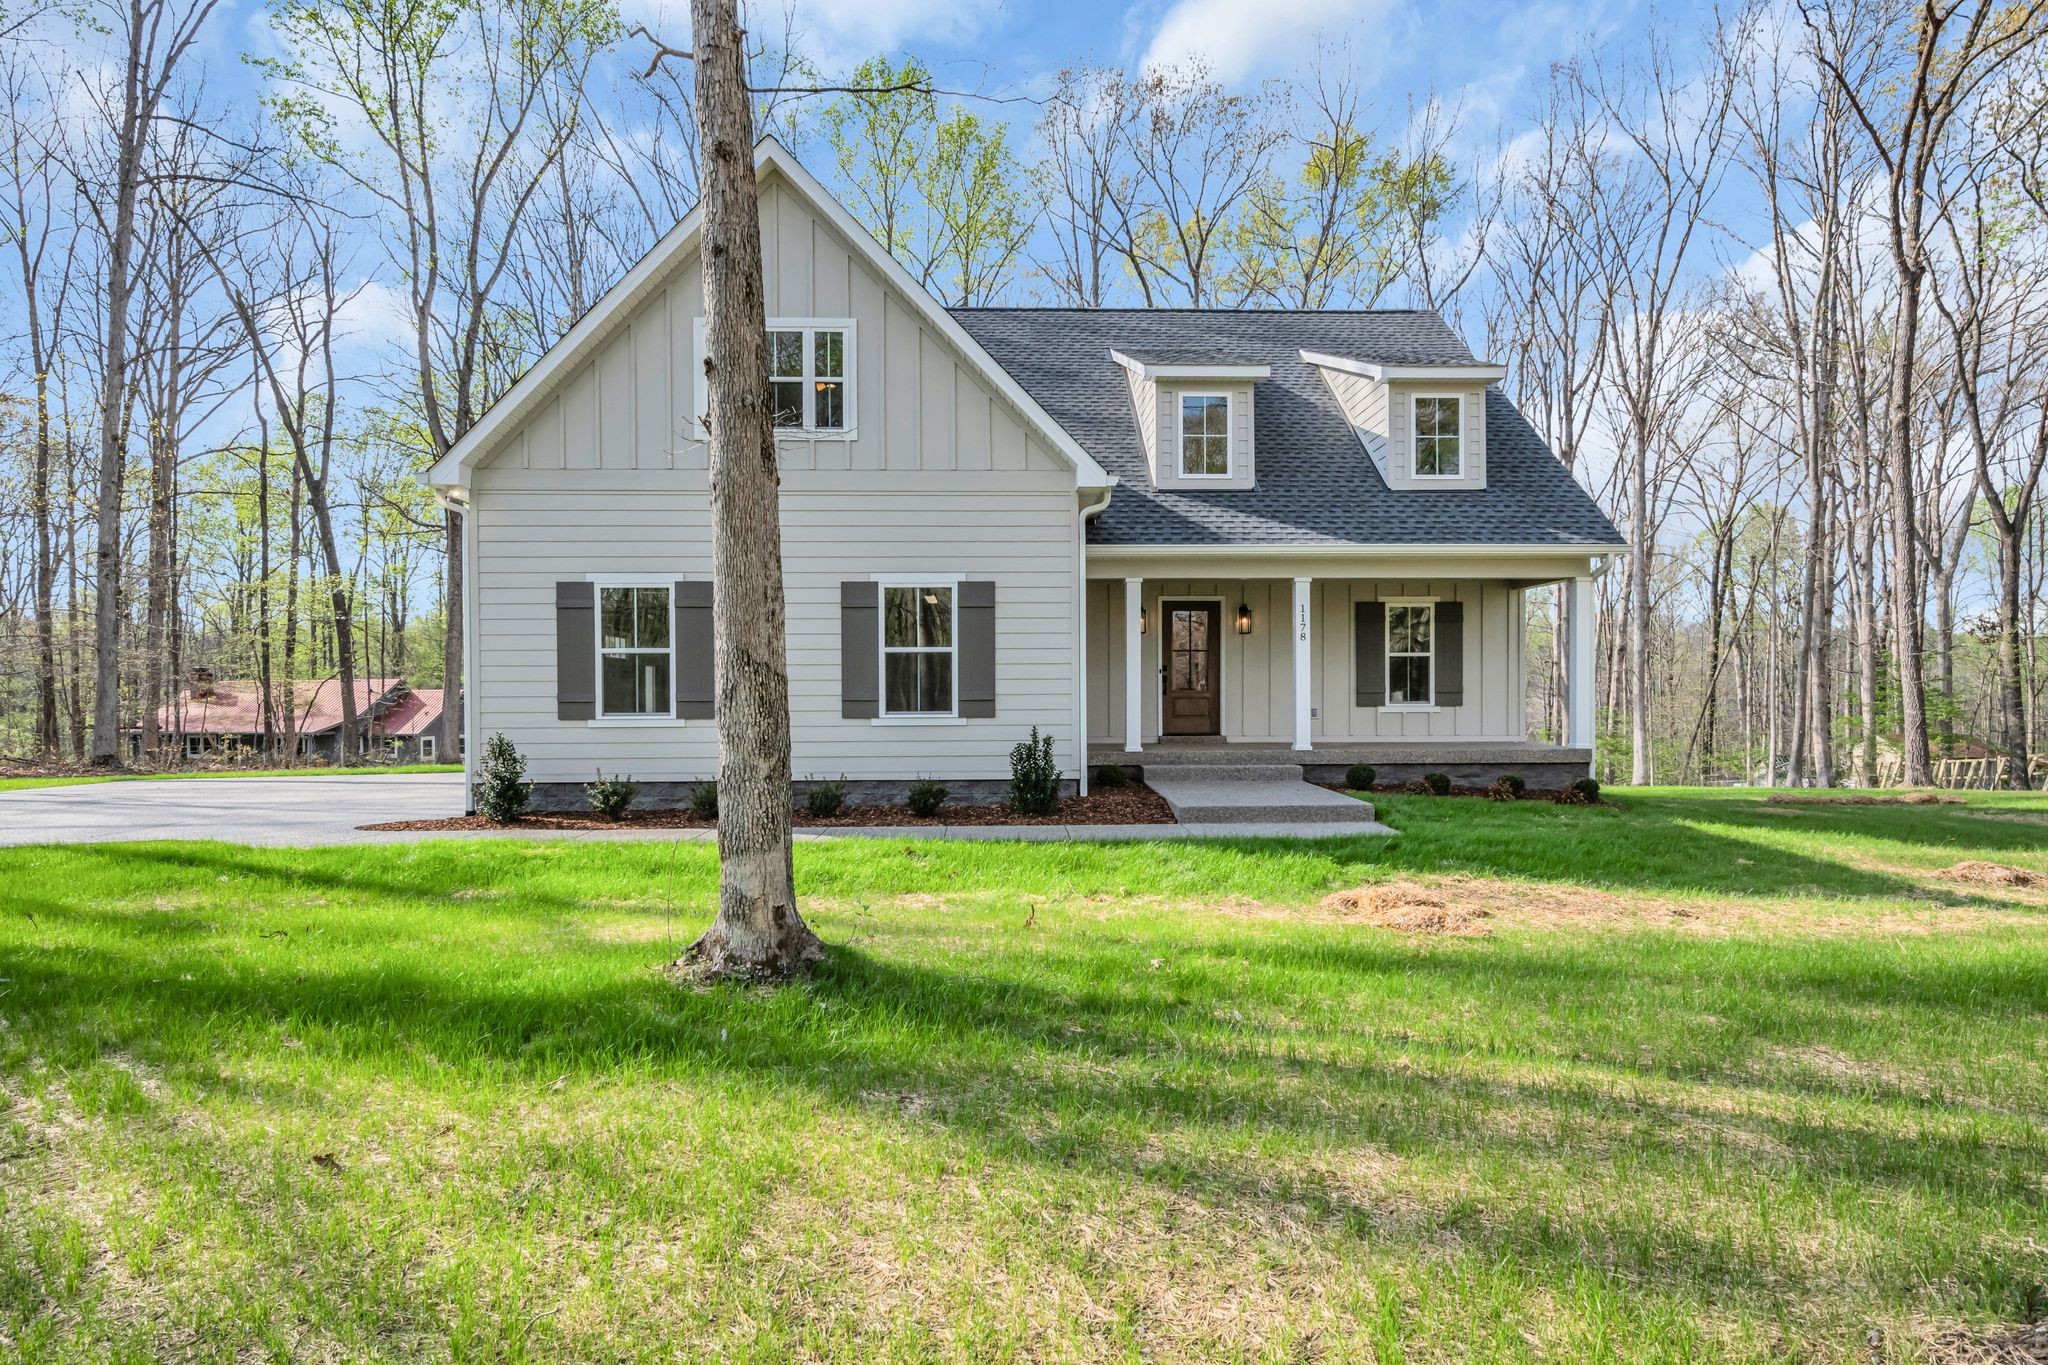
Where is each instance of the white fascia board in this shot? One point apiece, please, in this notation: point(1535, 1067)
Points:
point(1145, 371)
point(1475, 373)
point(653, 269)
point(1443, 549)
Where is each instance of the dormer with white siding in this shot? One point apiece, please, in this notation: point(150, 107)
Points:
point(1195, 417)
point(1423, 425)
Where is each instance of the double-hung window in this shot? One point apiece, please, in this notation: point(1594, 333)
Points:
point(807, 375)
point(1204, 435)
point(1439, 436)
point(1411, 654)
point(633, 659)
point(918, 673)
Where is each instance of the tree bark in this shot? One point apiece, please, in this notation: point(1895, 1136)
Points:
point(758, 933)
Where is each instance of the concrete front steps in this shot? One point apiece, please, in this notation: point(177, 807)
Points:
point(1251, 794)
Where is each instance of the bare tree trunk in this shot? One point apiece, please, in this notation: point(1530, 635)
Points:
point(758, 932)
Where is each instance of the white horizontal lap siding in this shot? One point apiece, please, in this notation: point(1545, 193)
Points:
point(1019, 535)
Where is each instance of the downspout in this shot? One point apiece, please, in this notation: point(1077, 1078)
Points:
point(1089, 511)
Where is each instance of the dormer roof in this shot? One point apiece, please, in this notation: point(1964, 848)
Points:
point(1317, 487)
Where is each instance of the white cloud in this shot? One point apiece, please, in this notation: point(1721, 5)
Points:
point(1244, 38)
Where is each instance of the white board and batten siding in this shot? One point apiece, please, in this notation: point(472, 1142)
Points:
point(942, 477)
point(1258, 669)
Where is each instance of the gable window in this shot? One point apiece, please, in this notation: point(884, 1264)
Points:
point(1411, 654)
point(633, 652)
point(917, 650)
point(807, 378)
point(1439, 436)
point(1204, 435)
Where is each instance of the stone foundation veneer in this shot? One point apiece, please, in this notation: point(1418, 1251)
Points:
point(569, 796)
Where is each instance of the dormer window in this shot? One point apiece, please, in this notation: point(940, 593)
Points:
point(1439, 436)
point(1205, 435)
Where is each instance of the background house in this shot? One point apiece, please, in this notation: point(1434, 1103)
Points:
point(398, 723)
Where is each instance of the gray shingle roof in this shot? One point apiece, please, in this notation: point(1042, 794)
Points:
point(1316, 485)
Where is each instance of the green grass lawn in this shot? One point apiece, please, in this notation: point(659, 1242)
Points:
point(1702, 1079)
point(18, 784)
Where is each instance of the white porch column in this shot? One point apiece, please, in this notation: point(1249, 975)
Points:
point(1134, 667)
point(1301, 664)
point(1579, 689)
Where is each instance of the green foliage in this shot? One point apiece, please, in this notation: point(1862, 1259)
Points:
point(1580, 791)
point(1034, 776)
point(1110, 776)
point(926, 796)
point(1359, 777)
point(941, 191)
point(826, 799)
point(611, 797)
point(1507, 787)
point(1431, 784)
point(703, 800)
point(502, 790)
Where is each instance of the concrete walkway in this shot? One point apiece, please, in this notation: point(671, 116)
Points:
point(1208, 795)
point(302, 812)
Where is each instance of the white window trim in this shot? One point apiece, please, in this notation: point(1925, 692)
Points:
point(427, 748)
point(1180, 437)
point(850, 326)
point(196, 746)
point(599, 582)
point(1415, 439)
point(1387, 663)
point(883, 649)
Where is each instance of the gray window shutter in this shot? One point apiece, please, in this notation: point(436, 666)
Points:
point(696, 671)
point(575, 651)
point(1369, 640)
point(860, 668)
point(1450, 654)
point(976, 608)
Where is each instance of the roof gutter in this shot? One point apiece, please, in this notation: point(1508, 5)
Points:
point(1437, 550)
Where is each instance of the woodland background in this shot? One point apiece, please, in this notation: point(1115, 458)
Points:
point(1770, 280)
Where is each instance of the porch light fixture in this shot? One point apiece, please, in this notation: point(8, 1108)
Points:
point(1244, 618)
point(1143, 624)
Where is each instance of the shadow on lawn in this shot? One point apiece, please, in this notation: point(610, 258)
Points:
point(1082, 1076)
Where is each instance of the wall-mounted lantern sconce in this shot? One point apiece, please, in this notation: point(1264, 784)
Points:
point(1143, 624)
point(1244, 618)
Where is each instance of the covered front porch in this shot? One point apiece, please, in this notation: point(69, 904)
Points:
point(1410, 662)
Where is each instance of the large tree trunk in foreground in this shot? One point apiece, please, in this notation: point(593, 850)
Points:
point(758, 932)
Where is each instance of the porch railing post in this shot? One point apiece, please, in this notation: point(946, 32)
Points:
point(1301, 664)
point(1134, 667)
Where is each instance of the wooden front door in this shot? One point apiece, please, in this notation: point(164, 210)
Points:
point(1193, 630)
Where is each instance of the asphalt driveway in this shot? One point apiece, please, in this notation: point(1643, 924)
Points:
point(276, 811)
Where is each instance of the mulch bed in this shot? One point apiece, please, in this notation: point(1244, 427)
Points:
point(1132, 805)
point(1905, 799)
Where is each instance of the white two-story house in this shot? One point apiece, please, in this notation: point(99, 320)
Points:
point(1303, 536)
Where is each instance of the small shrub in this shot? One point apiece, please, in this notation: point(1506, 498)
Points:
point(1359, 777)
point(1034, 777)
point(1435, 784)
point(1580, 791)
point(825, 799)
point(926, 796)
point(611, 796)
point(704, 801)
point(1506, 787)
point(502, 790)
point(1111, 776)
